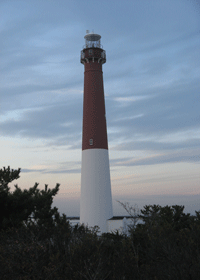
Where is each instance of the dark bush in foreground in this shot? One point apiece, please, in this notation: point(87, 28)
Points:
point(151, 251)
point(38, 243)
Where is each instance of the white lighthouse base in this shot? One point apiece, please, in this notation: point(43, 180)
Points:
point(96, 199)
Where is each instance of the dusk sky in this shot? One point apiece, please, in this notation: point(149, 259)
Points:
point(152, 95)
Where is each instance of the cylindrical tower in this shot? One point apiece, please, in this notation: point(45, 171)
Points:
point(96, 199)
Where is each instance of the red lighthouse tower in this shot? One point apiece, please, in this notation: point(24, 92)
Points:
point(96, 199)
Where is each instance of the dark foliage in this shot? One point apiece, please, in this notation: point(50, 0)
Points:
point(25, 206)
point(37, 243)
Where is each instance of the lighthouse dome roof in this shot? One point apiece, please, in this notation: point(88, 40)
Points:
point(92, 37)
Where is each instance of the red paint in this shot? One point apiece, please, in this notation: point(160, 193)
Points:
point(94, 120)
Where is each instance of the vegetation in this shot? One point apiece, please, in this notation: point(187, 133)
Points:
point(36, 242)
point(25, 207)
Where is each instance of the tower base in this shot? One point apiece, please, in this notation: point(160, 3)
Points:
point(96, 199)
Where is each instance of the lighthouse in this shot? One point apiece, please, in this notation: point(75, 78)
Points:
point(96, 198)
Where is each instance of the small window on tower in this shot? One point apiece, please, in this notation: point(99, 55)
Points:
point(90, 52)
point(91, 142)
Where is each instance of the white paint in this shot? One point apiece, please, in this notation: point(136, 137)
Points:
point(96, 198)
point(115, 225)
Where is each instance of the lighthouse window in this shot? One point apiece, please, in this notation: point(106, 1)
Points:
point(90, 52)
point(91, 142)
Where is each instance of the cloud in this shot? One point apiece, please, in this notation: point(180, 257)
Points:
point(130, 98)
point(153, 116)
point(151, 76)
point(169, 109)
point(46, 122)
point(50, 171)
point(161, 158)
point(158, 146)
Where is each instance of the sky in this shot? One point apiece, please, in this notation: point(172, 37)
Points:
point(152, 95)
